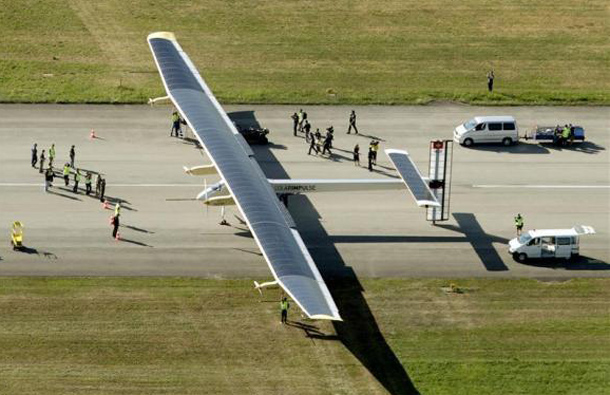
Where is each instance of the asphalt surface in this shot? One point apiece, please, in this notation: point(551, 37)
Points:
point(165, 232)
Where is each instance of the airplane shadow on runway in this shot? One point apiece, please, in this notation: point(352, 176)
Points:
point(480, 240)
point(359, 331)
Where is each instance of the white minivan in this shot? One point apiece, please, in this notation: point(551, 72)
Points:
point(548, 243)
point(497, 129)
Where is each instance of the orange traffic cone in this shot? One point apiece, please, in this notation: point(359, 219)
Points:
point(92, 134)
point(105, 205)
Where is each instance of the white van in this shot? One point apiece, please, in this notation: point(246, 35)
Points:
point(499, 129)
point(548, 243)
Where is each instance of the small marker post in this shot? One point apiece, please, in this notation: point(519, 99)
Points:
point(92, 134)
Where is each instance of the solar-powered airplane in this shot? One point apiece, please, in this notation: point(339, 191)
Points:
point(242, 182)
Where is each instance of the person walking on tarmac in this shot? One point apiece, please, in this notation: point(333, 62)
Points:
point(34, 155)
point(307, 129)
point(72, 156)
point(115, 219)
point(76, 181)
point(284, 306)
point(48, 179)
point(88, 181)
point(352, 123)
point(371, 155)
point(313, 146)
point(295, 123)
point(98, 181)
point(42, 158)
point(66, 174)
point(519, 224)
point(51, 155)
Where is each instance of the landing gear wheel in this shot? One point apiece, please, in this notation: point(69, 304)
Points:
point(468, 143)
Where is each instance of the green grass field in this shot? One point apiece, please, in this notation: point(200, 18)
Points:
point(363, 51)
point(197, 336)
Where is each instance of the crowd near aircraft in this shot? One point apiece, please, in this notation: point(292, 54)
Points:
point(243, 183)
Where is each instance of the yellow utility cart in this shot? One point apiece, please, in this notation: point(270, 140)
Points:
point(17, 235)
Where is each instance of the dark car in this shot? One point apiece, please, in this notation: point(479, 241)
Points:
point(254, 135)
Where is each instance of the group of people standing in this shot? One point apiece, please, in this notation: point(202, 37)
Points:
point(69, 168)
point(319, 144)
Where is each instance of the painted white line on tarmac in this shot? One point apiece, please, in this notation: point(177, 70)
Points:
point(21, 184)
point(545, 186)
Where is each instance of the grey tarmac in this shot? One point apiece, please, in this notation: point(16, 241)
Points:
point(376, 234)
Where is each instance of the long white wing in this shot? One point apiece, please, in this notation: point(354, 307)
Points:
point(412, 177)
point(272, 227)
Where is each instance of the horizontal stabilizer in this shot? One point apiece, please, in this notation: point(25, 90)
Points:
point(200, 170)
point(412, 177)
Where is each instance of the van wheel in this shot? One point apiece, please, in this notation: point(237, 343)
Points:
point(520, 257)
point(507, 141)
point(468, 143)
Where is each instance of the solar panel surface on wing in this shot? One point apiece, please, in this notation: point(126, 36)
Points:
point(251, 191)
point(410, 175)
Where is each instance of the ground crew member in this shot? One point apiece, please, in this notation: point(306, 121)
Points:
point(48, 179)
point(352, 123)
point(102, 189)
point(76, 181)
point(175, 124)
point(357, 155)
point(66, 174)
point(307, 129)
point(572, 130)
point(300, 117)
point(295, 123)
point(519, 224)
point(327, 144)
point(565, 134)
point(371, 155)
point(330, 133)
point(88, 183)
point(374, 146)
point(313, 147)
point(284, 306)
point(115, 219)
point(98, 181)
point(42, 158)
point(490, 81)
point(72, 155)
point(51, 155)
point(34, 155)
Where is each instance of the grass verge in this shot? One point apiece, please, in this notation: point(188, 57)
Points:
point(364, 52)
point(175, 335)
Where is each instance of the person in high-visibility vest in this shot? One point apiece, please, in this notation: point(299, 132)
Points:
point(66, 174)
point(284, 306)
point(565, 134)
point(88, 181)
point(175, 124)
point(76, 181)
point(519, 224)
point(51, 154)
point(115, 219)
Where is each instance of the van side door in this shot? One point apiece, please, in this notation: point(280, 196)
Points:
point(495, 134)
point(564, 247)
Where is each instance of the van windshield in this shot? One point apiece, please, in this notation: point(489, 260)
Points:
point(524, 238)
point(470, 124)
